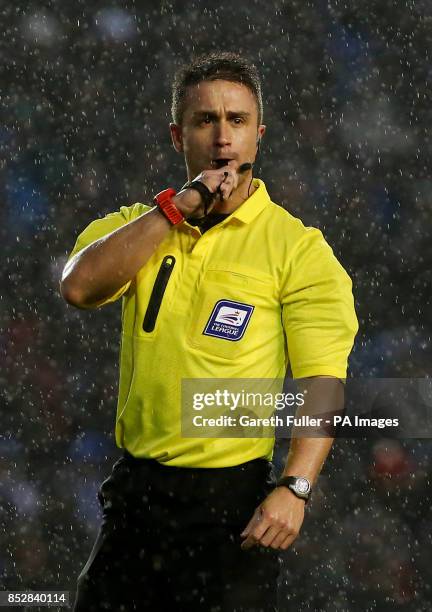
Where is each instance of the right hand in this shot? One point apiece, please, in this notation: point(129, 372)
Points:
point(223, 180)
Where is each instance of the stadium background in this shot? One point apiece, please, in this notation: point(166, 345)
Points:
point(84, 113)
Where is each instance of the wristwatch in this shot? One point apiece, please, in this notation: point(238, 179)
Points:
point(163, 201)
point(299, 486)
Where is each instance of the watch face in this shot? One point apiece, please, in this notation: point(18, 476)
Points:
point(302, 485)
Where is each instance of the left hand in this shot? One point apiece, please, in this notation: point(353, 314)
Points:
point(276, 522)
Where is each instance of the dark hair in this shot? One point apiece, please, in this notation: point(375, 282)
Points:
point(210, 67)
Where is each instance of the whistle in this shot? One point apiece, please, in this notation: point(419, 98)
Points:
point(243, 168)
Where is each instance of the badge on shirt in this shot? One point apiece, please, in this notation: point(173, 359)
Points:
point(228, 320)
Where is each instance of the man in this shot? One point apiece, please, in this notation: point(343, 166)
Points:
point(217, 282)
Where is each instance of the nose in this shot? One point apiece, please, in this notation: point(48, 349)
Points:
point(222, 134)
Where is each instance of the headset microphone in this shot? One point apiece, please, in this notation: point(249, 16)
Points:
point(248, 165)
point(245, 167)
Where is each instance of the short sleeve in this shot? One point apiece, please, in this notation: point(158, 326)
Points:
point(318, 312)
point(102, 227)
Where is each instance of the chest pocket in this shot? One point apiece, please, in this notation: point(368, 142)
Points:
point(231, 311)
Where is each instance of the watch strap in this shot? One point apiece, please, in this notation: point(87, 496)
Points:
point(206, 195)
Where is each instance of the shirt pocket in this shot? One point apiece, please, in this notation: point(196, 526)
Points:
point(231, 311)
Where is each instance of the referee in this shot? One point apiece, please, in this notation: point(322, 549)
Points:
point(217, 282)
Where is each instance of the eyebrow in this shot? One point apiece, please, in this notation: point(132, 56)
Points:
point(211, 113)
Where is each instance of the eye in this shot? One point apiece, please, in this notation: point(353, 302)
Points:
point(238, 120)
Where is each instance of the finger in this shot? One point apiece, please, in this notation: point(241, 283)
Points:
point(233, 172)
point(225, 193)
point(257, 535)
point(228, 186)
point(279, 539)
point(225, 178)
point(223, 190)
point(235, 179)
point(287, 542)
point(249, 543)
point(270, 535)
point(230, 174)
point(226, 182)
point(251, 540)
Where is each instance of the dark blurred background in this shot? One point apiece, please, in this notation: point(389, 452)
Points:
point(85, 107)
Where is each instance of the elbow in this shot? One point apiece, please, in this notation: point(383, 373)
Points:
point(71, 293)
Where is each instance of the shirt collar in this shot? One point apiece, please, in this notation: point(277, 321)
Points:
point(251, 207)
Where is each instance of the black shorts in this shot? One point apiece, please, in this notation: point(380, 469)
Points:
point(170, 540)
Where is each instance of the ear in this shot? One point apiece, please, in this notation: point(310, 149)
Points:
point(261, 132)
point(176, 137)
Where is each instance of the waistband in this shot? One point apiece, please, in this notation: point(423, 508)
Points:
point(128, 458)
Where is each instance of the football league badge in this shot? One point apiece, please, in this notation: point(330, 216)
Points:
point(228, 320)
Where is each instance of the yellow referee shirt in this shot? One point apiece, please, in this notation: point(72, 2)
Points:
point(251, 294)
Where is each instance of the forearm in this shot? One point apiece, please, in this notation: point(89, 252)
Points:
point(309, 447)
point(306, 457)
point(106, 265)
point(103, 267)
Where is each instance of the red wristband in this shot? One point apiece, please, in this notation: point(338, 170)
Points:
point(163, 201)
